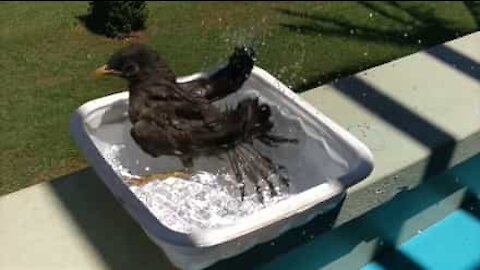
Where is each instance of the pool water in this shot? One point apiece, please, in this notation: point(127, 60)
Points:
point(435, 226)
point(451, 243)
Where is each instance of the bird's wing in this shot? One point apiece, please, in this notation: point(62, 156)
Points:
point(242, 123)
point(225, 81)
point(168, 96)
point(159, 131)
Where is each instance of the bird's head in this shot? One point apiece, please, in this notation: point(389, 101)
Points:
point(131, 62)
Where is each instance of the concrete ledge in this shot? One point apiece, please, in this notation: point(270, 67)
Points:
point(73, 222)
point(419, 115)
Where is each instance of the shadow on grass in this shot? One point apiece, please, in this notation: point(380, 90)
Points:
point(91, 25)
point(473, 8)
point(97, 27)
point(417, 26)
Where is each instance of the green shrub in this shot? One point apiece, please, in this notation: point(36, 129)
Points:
point(117, 18)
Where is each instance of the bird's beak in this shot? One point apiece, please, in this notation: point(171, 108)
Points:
point(104, 70)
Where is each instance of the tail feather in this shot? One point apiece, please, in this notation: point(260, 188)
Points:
point(248, 163)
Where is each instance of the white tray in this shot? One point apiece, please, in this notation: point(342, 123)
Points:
point(336, 160)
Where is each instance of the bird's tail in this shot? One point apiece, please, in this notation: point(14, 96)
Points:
point(252, 121)
point(249, 121)
point(248, 163)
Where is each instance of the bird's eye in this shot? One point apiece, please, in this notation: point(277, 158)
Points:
point(130, 69)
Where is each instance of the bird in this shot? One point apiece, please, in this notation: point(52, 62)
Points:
point(181, 120)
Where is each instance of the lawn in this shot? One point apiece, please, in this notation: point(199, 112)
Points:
point(48, 55)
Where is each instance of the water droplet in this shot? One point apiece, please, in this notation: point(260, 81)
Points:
point(378, 191)
point(365, 53)
point(405, 34)
point(352, 31)
point(370, 15)
point(419, 41)
point(147, 169)
point(419, 231)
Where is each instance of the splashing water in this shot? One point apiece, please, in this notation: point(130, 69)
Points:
point(257, 37)
point(205, 201)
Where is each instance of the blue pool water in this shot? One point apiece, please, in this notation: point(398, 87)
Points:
point(451, 242)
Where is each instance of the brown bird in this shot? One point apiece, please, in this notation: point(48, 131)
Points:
point(179, 119)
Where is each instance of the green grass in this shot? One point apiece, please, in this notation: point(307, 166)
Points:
point(47, 58)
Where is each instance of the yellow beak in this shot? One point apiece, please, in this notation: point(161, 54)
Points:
point(104, 70)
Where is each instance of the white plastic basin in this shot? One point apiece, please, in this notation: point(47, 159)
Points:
point(329, 161)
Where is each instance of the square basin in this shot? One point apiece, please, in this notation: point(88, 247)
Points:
point(325, 161)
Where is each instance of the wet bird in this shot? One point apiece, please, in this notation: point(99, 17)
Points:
point(180, 119)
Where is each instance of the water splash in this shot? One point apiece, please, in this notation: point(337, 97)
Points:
point(206, 201)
